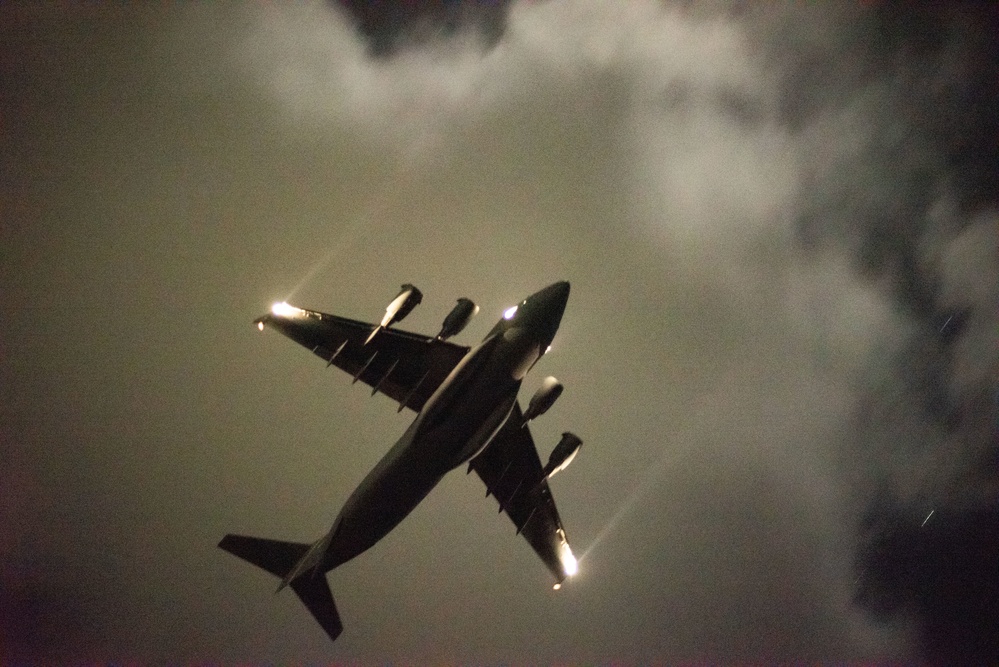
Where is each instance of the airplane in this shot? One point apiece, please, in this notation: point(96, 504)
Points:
point(465, 399)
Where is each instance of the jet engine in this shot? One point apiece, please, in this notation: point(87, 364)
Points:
point(401, 306)
point(563, 454)
point(458, 318)
point(543, 398)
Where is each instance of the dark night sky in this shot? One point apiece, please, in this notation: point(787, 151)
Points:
point(781, 349)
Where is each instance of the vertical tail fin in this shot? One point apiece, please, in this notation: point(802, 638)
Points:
point(291, 561)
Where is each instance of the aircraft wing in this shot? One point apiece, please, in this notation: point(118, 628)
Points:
point(511, 470)
point(405, 366)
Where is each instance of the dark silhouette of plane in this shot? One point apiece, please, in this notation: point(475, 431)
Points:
point(467, 411)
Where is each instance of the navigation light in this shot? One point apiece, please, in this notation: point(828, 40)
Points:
point(283, 309)
point(568, 560)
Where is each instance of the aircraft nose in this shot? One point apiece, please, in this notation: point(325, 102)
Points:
point(554, 294)
point(561, 290)
point(550, 307)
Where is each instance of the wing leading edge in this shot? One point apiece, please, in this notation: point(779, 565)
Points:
point(511, 470)
point(404, 366)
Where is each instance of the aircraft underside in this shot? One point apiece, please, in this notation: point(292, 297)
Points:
point(467, 411)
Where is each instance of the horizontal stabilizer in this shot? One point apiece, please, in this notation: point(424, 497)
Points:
point(275, 556)
point(280, 559)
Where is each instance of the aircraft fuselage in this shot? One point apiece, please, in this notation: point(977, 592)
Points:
point(455, 424)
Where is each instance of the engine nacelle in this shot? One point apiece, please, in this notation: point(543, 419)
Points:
point(543, 398)
point(563, 454)
point(458, 318)
point(401, 305)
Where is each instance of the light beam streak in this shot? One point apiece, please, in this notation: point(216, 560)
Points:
point(654, 473)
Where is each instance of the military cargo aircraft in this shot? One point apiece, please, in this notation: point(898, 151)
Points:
point(467, 411)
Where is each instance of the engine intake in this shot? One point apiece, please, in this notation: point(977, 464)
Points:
point(563, 454)
point(543, 398)
point(458, 318)
point(401, 306)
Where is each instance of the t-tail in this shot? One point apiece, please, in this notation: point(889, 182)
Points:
point(298, 566)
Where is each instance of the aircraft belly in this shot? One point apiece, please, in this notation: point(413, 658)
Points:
point(453, 427)
point(476, 433)
point(386, 496)
point(459, 418)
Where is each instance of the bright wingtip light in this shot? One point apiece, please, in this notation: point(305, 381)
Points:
point(283, 309)
point(260, 326)
point(569, 562)
point(509, 312)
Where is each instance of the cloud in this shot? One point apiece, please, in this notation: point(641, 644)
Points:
point(810, 238)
